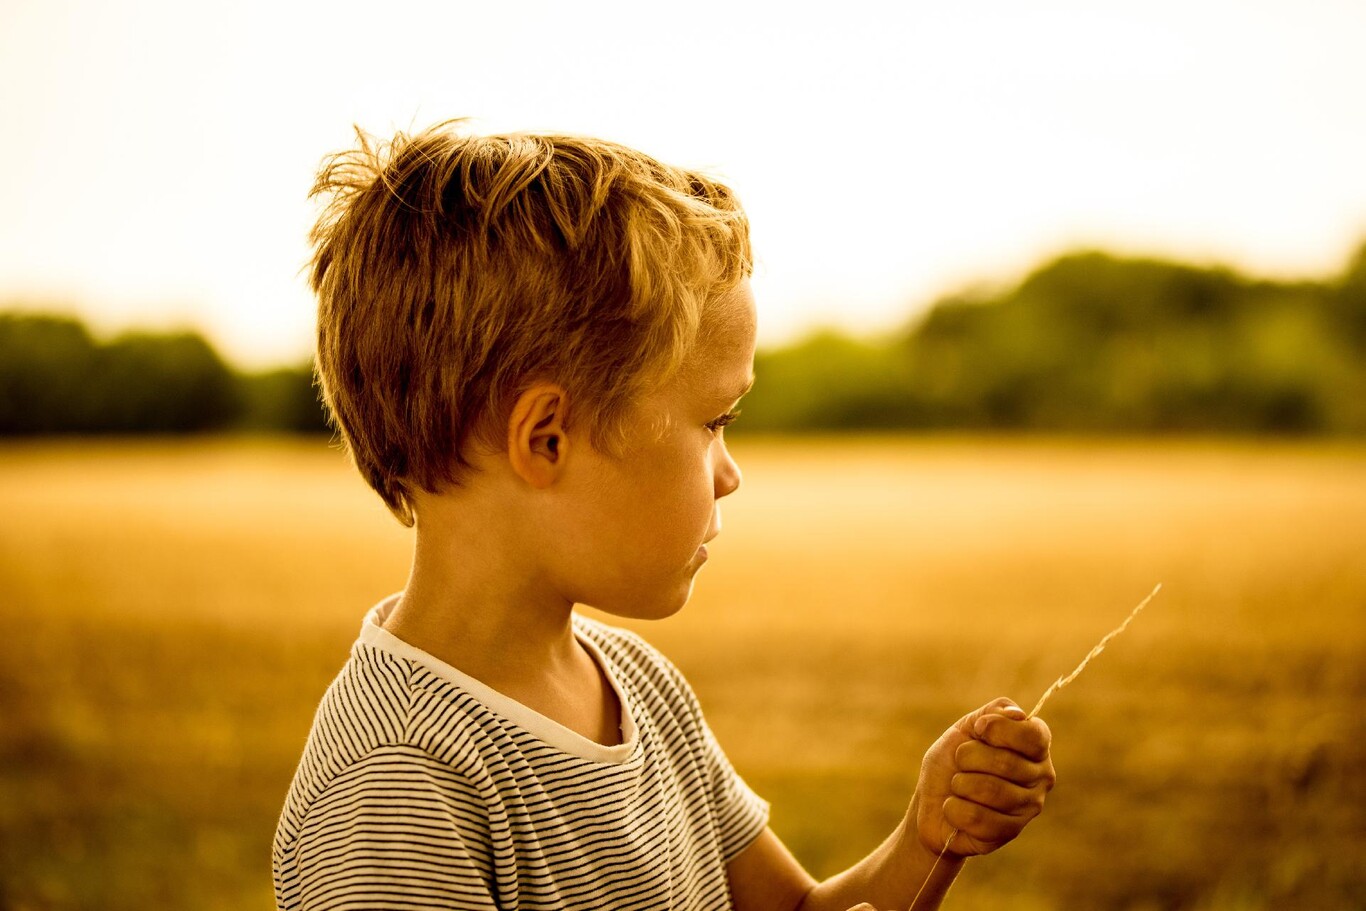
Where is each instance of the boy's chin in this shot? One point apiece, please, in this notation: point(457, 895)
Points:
point(644, 608)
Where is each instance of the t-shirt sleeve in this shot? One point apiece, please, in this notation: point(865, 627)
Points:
point(386, 834)
point(741, 814)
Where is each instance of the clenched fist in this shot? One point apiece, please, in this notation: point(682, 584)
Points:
point(986, 778)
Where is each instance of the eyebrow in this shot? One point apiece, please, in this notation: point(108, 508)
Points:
point(742, 390)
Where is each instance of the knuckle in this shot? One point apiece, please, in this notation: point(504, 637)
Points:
point(953, 812)
point(989, 830)
point(976, 787)
point(1018, 797)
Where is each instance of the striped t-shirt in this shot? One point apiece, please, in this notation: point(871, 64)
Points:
point(420, 787)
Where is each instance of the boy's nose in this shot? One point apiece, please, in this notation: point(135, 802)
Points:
point(727, 475)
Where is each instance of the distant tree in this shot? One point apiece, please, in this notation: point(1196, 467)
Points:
point(1094, 342)
point(174, 383)
point(55, 379)
point(284, 399)
point(1087, 342)
point(47, 370)
point(828, 381)
point(1348, 302)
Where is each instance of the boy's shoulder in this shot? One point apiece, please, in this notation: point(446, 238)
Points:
point(368, 709)
point(387, 696)
point(387, 702)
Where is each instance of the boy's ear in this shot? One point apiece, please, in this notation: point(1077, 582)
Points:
point(536, 439)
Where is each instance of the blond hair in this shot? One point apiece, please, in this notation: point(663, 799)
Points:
point(454, 270)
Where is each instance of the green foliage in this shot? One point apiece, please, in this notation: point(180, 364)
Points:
point(1094, 343)
point(170, 383)
point(54, 378)
point(1086, 343)
point(47, 364)
point(284, 399)
point(828, 382)
point(1347, 300)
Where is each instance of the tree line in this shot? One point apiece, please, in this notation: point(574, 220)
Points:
point(56, 378)
point(1088, 342)
point(1093, 343)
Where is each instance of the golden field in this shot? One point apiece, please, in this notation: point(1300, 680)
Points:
point(173, 611)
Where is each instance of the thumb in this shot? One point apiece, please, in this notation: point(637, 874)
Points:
point(1001, 705)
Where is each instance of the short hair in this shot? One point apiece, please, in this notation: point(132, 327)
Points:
point(454, 270)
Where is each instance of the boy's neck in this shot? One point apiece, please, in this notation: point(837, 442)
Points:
point(495, 623)
point(486, 619)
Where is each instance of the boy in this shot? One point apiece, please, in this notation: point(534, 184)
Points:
point(530, 345)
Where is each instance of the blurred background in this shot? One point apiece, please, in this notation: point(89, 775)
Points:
point(1057, 301)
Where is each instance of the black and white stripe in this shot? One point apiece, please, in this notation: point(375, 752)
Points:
point(420, 788)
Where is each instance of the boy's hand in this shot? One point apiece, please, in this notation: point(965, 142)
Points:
point(986, 777)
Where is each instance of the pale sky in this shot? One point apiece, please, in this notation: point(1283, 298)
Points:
point(157, 153)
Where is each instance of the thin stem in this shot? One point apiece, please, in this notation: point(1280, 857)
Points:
point(934, 866)
point(1099, 647)
point(1057, 685)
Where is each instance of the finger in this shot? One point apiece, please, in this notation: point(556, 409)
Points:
point(976, 756)
point(989, 828)
point(1001, 705)
point(1030, 738)
point(998, 794)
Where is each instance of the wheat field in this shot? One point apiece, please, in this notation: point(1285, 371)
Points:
point(173, 610)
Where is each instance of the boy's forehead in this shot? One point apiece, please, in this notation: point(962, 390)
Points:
point(727, 334)
point(716, 380)
point(721, 364)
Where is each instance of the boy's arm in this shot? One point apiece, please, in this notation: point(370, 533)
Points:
point(986, 777)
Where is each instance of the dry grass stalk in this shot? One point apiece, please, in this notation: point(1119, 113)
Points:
point(934, 866)
point(1099, 647)
point(1057, 685)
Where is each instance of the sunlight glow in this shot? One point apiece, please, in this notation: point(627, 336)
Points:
point(159, 154)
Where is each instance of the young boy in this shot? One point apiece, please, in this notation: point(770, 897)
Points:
point(530, 345)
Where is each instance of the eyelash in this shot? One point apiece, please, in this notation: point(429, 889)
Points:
point(727, 418)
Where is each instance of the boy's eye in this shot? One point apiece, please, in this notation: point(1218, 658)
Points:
point(723, 420)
